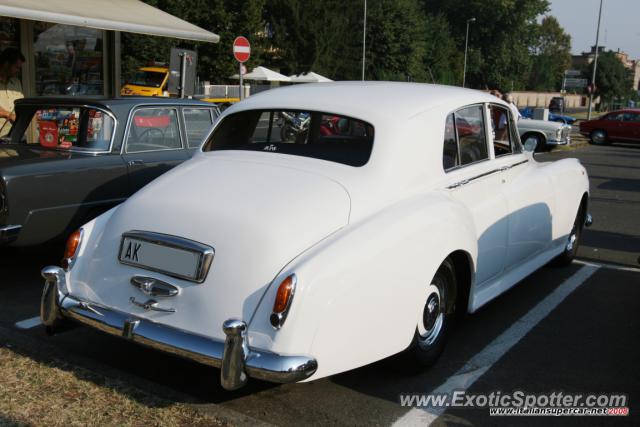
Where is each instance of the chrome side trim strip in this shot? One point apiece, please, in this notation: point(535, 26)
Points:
point(482, 175)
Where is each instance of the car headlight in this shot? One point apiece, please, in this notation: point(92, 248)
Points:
point(559, 134)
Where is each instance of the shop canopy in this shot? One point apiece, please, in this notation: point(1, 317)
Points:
point(264, 74)
point(131, 16)
point(309, 77)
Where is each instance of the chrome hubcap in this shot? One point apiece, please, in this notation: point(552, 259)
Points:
point(432, 316)
point(598, 137)
point(572, 241)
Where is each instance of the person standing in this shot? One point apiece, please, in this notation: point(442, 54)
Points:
point(508, 98)
point(11, 61)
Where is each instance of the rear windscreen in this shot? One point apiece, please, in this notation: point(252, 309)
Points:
point(313, 134)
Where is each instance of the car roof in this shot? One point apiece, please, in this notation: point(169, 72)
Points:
point(110, 102)
point(366, 100)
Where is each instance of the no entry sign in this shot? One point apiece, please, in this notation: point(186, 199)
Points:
point(241, 49)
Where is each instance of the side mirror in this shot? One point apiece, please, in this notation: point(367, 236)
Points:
point(530, 144)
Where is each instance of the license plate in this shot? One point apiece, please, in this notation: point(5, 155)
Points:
point(166, 254)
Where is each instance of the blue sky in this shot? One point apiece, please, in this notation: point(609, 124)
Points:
point(619, 29)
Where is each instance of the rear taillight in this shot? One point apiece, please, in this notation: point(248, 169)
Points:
point(71, 250)
point(282, 303)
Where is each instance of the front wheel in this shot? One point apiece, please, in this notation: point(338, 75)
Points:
point(435, 320)
point(598, 137)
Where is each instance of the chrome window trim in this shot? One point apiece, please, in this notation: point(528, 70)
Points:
point(206, 252)
point(184, 119)
point(486, 139)
point(514, 142)
point(125, 139)
point(92, 107)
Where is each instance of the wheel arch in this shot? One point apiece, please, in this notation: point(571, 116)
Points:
point(464, 273)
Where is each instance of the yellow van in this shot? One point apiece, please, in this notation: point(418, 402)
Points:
point(148, 81)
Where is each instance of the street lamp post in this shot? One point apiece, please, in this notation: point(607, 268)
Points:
point(595, 65)
point(364, 37)
point(466, 44)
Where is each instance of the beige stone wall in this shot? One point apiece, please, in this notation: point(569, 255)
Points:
point(542, 99)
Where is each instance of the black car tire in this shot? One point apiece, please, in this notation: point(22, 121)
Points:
point(437, 316)
point(598, 137)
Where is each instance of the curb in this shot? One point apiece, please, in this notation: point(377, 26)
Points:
point(41, 351)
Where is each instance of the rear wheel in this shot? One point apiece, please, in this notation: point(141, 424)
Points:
point(598, 137)
point(435, 320)
point(573, 241)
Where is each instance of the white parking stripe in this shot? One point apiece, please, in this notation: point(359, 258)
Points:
point(609, 266)
point(481, 362)
point(28, 323)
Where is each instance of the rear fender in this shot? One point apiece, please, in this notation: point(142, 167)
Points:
point(360, 292)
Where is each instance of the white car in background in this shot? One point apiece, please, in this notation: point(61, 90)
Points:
point(343, 244)
point(546, 134)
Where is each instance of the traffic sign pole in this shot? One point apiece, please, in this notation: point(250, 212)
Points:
point(242, 52)
point(241, 81)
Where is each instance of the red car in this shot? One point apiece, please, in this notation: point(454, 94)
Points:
point(620, 125)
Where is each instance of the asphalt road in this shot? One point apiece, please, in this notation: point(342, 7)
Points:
point(573, 329)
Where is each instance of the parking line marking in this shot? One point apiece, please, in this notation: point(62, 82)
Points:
point(609, 266)
point(28, 323)
point(487, 357)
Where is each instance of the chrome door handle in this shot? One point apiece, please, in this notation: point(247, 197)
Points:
point(135, 162)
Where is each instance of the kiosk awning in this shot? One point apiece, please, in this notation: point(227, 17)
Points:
point(131, 16)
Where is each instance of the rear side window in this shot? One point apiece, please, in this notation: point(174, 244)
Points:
point(465, 129)
point(153, 129)
point(313, 134)
point(71, 128)
point(197, 122)
point(501, 128)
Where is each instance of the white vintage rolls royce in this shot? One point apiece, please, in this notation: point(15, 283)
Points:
point(315, 232)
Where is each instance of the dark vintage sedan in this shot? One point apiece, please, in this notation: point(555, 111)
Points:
point(616, 126)
point(67, 160)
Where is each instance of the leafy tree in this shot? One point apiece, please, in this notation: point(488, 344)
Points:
point(227, 18)
point(395, 41)
point(552, 56)
point(613, 80)
point(443, 61)
point(499, 39)
point(316, 36)
point(326, 37)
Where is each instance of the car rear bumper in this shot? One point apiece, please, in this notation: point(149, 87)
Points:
point(9, 233)
point(236, 360)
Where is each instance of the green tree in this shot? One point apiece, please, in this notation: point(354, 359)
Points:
point(499, 39)
point(326, 37)
point(395, 41)
point(316, 36)
point(443, 61)
point(552, 56)
point(228, 19)
point(613, 80)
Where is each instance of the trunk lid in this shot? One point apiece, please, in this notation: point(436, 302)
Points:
point(256, 216)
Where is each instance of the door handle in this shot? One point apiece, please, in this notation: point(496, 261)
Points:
point(135, 162)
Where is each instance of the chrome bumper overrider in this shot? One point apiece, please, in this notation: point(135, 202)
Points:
point(236, 360)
